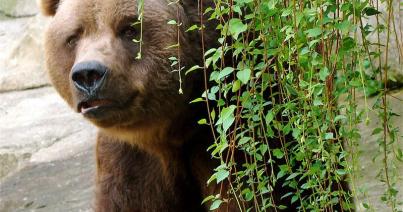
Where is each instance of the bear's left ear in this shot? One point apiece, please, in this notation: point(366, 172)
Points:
point(49, 7)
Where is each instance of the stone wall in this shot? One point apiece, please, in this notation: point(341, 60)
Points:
point(46, 150)
point(18, 8)
point(21, 41)
point(395, 53)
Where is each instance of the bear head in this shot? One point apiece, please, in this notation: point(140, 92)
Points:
point(91, 60)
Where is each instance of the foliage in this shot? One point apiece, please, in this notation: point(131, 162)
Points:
point(292, 77)
point(283, 87)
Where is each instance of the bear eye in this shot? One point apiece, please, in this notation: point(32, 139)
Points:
point(72, 41)
point(129, 32)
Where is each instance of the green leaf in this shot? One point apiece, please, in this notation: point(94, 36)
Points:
point(207, 199)
point(236, 27)
point(294, 199)
point(317, 102)
point(343, 26)
point(193, 27)
point(370, 11)
point(304, 50)
point(314, 32)
point(226, 117)
point(210, 51)
point(221, 175)
point(172, 46)
point(197, 100)
point(214, 76)
point(292, 176)
point(269, 117)
point(172, 22)
point(195, 67)
point(216, 204)
point(228, 122)
point(244, 75)
point(377, 131)
point(138, 57)
point(341, 172)
point(287, 195)
point(202, 121)
point(278, 153)
point(227, 112)
point(243, 140)
point(237, 9)
point(339, 117)
point(324, 72)
point(328, 136)
point(225, 72)
point(236, 86)
point(291, 89)
point(280, 174)
point(348, 43)
point(212, 115)
point(286, 12)
point(248, 194)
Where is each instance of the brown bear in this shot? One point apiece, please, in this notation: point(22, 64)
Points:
point(151, 154)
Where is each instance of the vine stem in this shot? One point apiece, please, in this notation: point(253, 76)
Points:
point(205, 69)
point(384, 98)
point(178, 24)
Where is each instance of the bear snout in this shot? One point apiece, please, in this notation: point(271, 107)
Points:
point(89, 76)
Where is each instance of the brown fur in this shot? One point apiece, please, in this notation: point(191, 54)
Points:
point(49, 7)
point(149, 155)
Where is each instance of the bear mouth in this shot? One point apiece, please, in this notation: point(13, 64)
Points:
point(91, 106)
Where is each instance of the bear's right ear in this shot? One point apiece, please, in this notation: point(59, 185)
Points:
point(49, 7)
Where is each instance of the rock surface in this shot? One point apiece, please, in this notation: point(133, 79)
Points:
point(395, 53)
point(46, 153)
point(368, 186)
point(21, 56)
point(18, 8)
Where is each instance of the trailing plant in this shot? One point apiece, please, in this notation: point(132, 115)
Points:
point(283, 91)
point(282, 88)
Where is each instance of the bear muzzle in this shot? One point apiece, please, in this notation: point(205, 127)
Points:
point(89, 76)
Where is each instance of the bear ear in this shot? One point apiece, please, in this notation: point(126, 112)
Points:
point(49, 7)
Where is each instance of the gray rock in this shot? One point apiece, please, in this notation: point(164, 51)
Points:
point(395, 53)
point(368, 186)
point(22, 56)
point(18, 8)
point(61, 185)
point(46, 154)
point(37, 125)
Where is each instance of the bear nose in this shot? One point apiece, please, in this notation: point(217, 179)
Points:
point(89, 76)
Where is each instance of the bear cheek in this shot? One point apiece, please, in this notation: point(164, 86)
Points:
point(59, 63)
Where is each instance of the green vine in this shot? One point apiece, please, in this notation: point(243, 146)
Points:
point(140, 12)
point(283, 91)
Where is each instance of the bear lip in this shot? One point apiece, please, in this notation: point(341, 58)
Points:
point(86, 106)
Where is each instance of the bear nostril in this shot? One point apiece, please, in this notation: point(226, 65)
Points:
point(88, 76)
point(92, 78)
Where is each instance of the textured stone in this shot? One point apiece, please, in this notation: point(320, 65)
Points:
point(37, 125)
point(368, 186)
point(18, 8)
point(46, 154)
point(395, 53)
point(22, 56)
point(60, 185)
